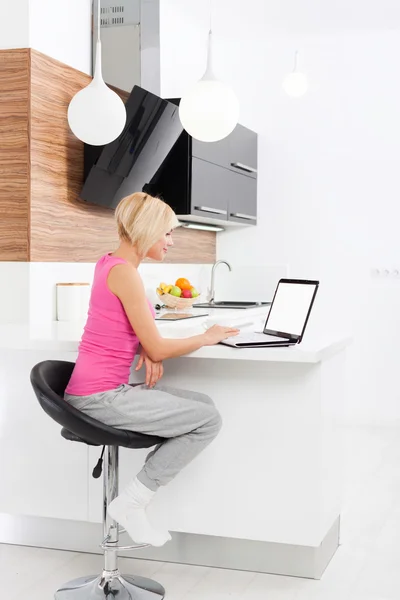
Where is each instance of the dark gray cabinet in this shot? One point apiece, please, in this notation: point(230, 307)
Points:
point(214, 182)
point(242, 204)
point(207, 179)
point(222, 194)
point(243, 151)
point(237, 152)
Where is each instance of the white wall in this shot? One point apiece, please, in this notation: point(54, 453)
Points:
point(57, 28)
point(62, 29)
point(14, 24)
point(328, 163)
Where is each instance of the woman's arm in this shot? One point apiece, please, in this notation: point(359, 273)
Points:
point(125, 282)
point(154, 370)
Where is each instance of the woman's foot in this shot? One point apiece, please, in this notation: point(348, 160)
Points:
point(129, 510)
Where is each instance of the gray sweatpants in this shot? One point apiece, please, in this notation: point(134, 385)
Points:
point(188, 419)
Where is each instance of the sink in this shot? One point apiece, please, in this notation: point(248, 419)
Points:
point(230, 304)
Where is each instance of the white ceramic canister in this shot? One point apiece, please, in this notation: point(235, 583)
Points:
point(72, 301)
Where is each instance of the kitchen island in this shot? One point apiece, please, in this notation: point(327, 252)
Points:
point(264, 496)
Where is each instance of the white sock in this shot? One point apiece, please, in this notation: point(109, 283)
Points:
point(129, 510)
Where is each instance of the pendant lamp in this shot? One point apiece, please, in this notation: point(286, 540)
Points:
point(295, 84)
point(209, 110)
point(96, 114)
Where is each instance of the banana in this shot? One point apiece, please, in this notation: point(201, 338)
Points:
point(165, 288)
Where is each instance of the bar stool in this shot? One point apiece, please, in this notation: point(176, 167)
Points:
point(49, 380)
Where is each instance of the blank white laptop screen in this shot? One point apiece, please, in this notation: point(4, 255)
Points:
point(290, 308)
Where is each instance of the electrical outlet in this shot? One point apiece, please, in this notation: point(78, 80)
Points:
point(385, 273)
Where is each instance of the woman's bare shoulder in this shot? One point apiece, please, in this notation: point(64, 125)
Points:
point(124, 277)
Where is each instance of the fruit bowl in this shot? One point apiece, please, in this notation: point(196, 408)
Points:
point(177, 302)
point(181, 295)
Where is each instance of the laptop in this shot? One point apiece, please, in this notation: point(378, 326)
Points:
point(287, 318)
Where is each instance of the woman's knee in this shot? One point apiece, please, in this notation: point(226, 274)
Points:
point(210, 418)
point(216, 419)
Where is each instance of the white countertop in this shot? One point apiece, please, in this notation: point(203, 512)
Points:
point(65, 337)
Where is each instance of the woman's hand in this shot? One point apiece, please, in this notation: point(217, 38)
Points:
point(217, 333)
point(154, 370)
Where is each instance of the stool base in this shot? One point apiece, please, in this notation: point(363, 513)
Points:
point(106, 587)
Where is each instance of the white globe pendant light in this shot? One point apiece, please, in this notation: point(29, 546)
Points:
point(96, 114)
point(295, 84)
point(209, 110)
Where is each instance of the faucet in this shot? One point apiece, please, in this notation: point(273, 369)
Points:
point(212, 290)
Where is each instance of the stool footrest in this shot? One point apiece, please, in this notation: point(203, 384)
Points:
point(112, 546)
point(107, 545)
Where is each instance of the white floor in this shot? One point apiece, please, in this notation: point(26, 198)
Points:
point(366, 566)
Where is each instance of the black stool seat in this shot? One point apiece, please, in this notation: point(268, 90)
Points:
point(49, 380)
point(71, 437)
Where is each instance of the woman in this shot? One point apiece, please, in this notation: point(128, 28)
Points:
point(120, 319)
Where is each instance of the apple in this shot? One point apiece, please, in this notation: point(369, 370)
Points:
point(175, 291)
point(187, 294)
point(194, 292)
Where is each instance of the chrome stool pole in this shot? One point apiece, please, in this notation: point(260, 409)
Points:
point(111, 585)
point(110, 491)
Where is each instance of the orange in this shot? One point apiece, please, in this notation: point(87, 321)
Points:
point(183, 283)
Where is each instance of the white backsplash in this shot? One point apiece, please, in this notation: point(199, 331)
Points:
point(28, 290)
point(42, 286)
point(14, 292)
point(247, 283)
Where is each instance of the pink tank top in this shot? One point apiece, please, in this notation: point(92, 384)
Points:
point(108, 344)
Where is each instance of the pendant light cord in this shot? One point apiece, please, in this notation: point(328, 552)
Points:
point(208, 73)
point(97, 66)
point(98, 20)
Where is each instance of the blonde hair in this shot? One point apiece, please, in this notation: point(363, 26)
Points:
point(142, 220)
